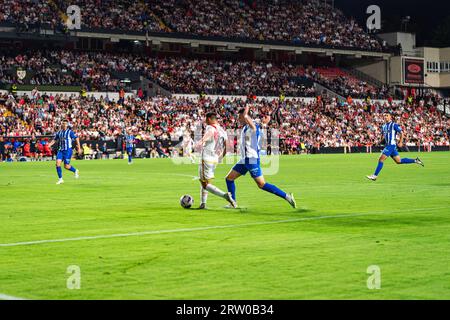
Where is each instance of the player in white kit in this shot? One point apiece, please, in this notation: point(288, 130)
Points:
point(188, 145)
point(213, 147)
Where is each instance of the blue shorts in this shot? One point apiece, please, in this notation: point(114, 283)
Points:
point(390, 151)
point(130, 150)
point(64, 155)
point(249, 165)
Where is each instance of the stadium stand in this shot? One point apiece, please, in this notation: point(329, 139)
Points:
point(97, 71)
point(307, 22)
point(347, 85)
point(304, 125)
point(94, 70)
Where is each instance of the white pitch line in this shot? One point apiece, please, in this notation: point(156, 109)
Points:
point(229, 226)
point(8, 297)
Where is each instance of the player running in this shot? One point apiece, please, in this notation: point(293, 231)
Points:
point(65, 138)
point(250, 160)
point(129, 145)
point(213, 146)
point(390, 131)
point(188, 145)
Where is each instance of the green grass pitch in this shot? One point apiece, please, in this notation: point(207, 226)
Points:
point(145, 246)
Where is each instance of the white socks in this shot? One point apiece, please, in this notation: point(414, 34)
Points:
point(203, 195)
point(214, 190)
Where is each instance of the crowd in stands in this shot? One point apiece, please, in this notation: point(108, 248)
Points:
point(97, 71)
point(50, 67)
point(306, 22)
point(301, 22)
point(347, 85)
point(42, 66)
point(303, 124)
point(226, 77)
point(28, 13)
point(114, 15)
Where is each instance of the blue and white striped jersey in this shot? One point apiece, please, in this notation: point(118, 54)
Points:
point(390, 131)
point(65, 139)
point(129, 140)
point(250, 141)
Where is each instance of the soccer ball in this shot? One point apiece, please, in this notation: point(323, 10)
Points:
point(186, 201)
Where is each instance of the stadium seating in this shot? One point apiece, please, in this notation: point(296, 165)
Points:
point(309, 22)
point(97, 71)
point(318, 124)
point(347, 85)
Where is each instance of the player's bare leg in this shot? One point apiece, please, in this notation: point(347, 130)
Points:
point(263, 185)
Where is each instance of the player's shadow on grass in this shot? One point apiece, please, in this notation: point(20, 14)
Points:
point(441, 184)
point(250, 211)
point(303, 210)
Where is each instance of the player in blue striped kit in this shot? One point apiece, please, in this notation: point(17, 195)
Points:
point(390, 131)
point(129, 146)
point(65, 138)
point(250, 160)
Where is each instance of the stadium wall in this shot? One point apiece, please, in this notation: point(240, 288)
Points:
point(195, 97)
point(113, 96)
point(395, 71)
point(377, 70)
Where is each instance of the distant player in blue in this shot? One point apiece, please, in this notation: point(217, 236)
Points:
point(250, 160)
point(65, 138)
point(390, 131)
point(129, 145)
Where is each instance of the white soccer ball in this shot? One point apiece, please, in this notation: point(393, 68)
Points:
point(186, 201)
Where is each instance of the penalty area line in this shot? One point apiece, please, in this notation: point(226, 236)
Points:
point(228, 226)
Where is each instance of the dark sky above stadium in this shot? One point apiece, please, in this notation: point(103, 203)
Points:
point(426, 16)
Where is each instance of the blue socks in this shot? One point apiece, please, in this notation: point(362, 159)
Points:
point(231, 188)
point(403, 161)
point(129, 158)
point(407, 161)
point(267, 187)
point(72, 169)
point(379, 167)
point(59, 171)
point(274, 189)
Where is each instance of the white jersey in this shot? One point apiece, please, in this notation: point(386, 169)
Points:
point(250, 142)
point(188, 143)
point(213, 147)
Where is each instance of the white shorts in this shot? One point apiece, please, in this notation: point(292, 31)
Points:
point(206, 170)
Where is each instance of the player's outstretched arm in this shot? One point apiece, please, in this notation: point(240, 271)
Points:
point(247, 118)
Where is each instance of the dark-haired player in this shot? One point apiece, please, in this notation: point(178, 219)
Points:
point(250, 160)
point(213, 147)
point(65, 138)
point(390, 131)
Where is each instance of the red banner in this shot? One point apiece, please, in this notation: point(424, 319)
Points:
point(413, 71)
